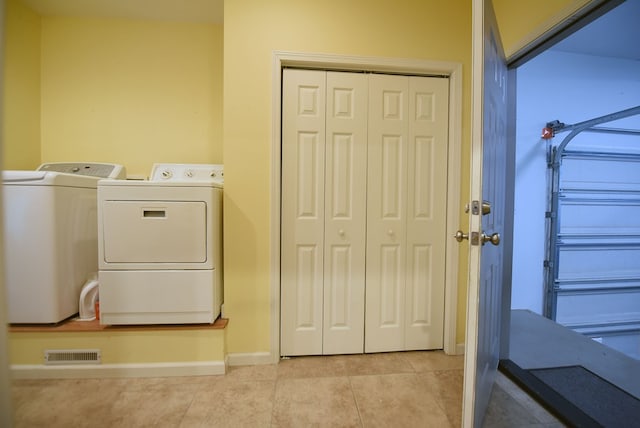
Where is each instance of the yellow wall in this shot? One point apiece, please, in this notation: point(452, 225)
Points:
point(522, 21)
point(131, 92)
point(138, 92)
point(420, 29)
point(111, 90)
point(155, 346)
point(21, 96)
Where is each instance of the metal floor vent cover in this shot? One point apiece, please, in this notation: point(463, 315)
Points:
point(72, 356)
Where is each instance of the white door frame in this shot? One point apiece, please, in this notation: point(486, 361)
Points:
point(384, 65)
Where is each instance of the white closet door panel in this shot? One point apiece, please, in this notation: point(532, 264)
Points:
point(391, 308)
point(302, 242)
point(345, 213)
point(426, 212)
point(386, 212)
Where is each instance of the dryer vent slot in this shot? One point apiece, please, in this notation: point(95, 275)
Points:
point(72, 356)
point(154, 213)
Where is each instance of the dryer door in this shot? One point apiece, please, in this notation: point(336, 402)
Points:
point(154, 231)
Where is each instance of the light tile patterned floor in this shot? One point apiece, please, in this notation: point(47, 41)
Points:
point(407, 389)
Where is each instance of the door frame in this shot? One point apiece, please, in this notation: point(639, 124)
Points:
point(453, 71)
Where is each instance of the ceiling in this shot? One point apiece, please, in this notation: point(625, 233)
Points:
point(166, 10)
point(615, 34)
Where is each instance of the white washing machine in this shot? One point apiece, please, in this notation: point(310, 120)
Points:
point(51, 238)
point(160, 246)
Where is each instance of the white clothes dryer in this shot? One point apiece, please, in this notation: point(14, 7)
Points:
point(51, 238)
point(160, 246)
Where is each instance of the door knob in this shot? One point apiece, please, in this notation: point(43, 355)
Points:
point(460, 236)
point(494, 238)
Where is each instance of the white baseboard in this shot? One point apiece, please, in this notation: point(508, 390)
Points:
point(250, 359)
point(460, 349)
point(79, 371)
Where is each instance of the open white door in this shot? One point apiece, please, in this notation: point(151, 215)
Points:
point(486, 214)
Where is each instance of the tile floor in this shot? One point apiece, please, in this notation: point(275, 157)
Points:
point(511, 407)
point(407, 389)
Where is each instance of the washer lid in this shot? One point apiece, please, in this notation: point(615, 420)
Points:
point(22, 176)
point(44, 178)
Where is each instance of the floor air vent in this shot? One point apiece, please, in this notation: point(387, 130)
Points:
point(72, 356)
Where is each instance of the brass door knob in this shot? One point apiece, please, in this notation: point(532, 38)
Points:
point(460, 236)
point(494, 238)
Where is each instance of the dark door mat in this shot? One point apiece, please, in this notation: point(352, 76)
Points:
point(576, 395)
point(607, 404)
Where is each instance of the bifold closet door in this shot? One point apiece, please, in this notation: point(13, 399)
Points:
point(302, 241)
point(406, 212)
point(324, 154)
point(364, 179)
point(345, 213)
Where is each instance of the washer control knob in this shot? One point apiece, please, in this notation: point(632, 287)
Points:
point(166, 174)
point(188, 173)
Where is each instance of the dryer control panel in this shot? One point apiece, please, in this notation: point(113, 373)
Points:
point(184, 172)
point(94, 169)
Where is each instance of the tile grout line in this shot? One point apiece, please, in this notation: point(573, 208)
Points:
point(355, 400)
point(439, 402)
point(275, 390)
